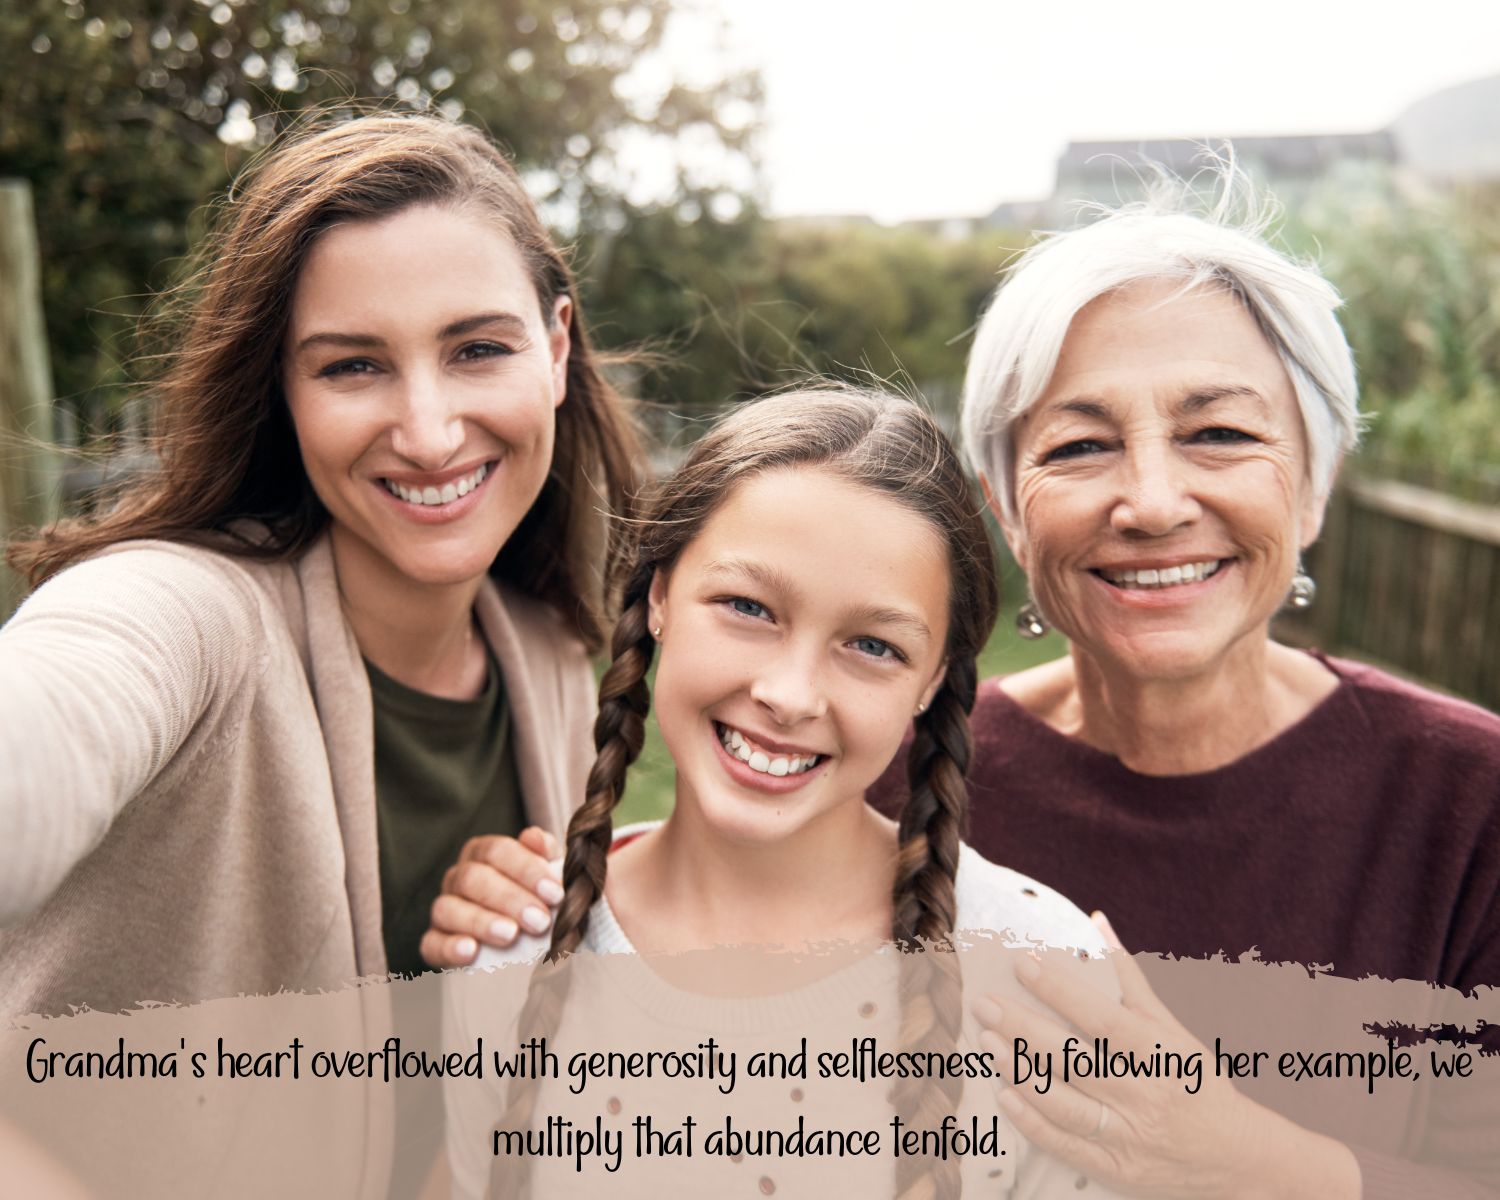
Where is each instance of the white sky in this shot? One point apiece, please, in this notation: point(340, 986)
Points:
point(931, 108)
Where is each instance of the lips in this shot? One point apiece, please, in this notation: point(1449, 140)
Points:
point(1143, 578)
point(765, 759)
point(447, 493)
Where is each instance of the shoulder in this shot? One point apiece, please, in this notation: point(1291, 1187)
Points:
point(178, 591)
point(1417, 720)
point(991, 897)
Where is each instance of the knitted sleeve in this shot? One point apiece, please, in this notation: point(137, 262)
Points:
point(104, 671)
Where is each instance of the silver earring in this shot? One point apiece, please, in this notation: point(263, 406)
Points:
point(1304, 589)
point(1030, 623)
point(656, 633)
point(921, 708)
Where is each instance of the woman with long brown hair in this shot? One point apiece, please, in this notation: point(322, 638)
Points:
point(252, 710)
point(814, 574)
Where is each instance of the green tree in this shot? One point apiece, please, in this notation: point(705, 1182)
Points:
point(127, 115)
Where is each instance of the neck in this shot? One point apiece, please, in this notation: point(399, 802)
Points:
point(1196, 723)
point(687, 887)
point(421, 635)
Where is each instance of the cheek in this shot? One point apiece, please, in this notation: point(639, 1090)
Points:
point(1058, 521)
point(1266, 509)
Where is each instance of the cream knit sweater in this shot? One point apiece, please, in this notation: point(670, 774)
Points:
point(187, 783)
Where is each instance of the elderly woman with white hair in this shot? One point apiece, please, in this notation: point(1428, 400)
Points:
point(1157, 404)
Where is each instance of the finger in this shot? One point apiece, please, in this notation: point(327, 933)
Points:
point(481, 884)
point(522, 866)
point(1056, 982)
point(453, 915)
point(1015, 1022)
point(1088, 1156)
point(539, 841)
point(1065, 1106)
point(447, 950)
point(1135, 992)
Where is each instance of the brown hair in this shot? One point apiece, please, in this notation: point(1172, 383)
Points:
point(892, 446)
point(224, 441)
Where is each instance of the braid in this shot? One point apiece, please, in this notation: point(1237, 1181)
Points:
point(931, 987)
point(624, 701)
point(619, 730)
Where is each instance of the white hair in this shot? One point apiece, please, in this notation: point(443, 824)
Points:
point(1021, 335)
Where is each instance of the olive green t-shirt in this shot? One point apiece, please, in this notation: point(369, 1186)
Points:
point(444, 772)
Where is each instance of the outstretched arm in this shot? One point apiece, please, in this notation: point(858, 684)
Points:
point(103, 674)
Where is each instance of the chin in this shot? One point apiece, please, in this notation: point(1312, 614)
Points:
point(445, 569)
point(1164, 657)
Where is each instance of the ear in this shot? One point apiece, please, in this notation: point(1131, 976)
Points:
point(1013, 538)
point(560, 343)
point(656, 602)
point(933, 685)
point(1314, 508)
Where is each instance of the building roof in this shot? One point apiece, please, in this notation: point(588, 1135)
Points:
point(1289, 154)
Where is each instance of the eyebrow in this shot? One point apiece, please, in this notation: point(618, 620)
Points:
point(1200, 398)
point(1196, 400)
point(774, 580)
point(513, 325)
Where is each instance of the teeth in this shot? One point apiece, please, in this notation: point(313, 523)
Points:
point(760, 761)
point(1163, 577)
point(431, 495)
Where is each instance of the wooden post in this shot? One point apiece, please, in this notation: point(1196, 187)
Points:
point(28, 465)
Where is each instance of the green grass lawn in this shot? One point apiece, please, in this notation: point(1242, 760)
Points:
point(648, 791)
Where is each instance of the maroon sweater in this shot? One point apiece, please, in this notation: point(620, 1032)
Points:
point(1365, 837)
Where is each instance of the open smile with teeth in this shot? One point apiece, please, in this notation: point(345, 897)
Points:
point(761, 760)
point(1162, 577)
point(446, 494)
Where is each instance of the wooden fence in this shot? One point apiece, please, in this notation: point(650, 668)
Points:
point(28, 468)
point(1409, 578)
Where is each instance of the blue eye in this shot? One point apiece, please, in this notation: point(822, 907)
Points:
point(875, 648)
point(748, 608)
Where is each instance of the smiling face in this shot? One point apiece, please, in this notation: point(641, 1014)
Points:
point(423, 377)
point(1162, 483)
point(801, 627)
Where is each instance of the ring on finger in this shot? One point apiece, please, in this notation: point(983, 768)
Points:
point(1098, 1130)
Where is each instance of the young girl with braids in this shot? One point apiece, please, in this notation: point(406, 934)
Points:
point(815, 574)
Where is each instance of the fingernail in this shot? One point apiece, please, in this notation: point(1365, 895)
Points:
point(503, 929)
point(535, 919)
point(1028, 970)
point(465, 947)
point(550, 891)
point(554, 868)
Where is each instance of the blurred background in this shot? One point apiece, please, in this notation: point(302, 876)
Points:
point(761, 189)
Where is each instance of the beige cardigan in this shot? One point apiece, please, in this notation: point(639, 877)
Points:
point(187, 776)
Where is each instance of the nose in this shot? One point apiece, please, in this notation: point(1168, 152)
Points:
point(427, 428)
point(1156, 496)
point(789, 685)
